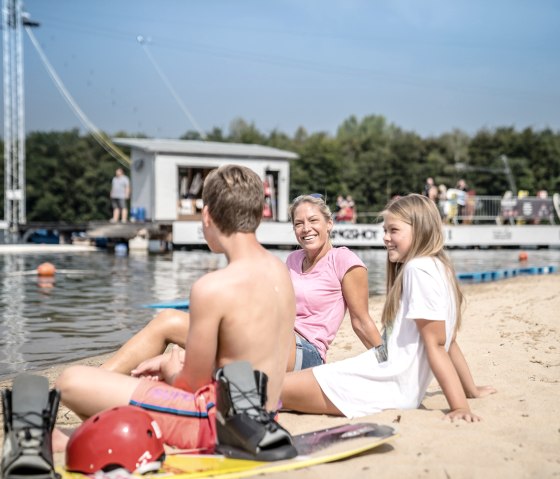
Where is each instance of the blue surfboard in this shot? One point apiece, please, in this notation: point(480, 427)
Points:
point(173, 303)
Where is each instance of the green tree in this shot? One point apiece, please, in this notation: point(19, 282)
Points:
point(242, 132)
point(366, 155)
point(68, 177)
point(318, 168)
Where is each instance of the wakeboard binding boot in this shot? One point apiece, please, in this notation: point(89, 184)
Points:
point(244, 427)
point(29, 411)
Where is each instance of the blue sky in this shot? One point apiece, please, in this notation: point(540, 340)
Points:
point(426, 66)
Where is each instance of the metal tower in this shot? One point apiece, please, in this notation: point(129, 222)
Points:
point(13, 21)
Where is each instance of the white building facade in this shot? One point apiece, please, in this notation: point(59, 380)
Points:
point(167, 175)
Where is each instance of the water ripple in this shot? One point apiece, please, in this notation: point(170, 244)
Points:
point(96, 310)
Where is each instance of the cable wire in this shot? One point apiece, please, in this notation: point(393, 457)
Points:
point(162, 75)
point(97, 134)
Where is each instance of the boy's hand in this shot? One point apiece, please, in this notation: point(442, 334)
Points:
point(172, 364)
point(149, 369)
point(464, 414)
point(481, 391)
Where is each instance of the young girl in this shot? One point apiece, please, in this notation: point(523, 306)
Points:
point(421, 316)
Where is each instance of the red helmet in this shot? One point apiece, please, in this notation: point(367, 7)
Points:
point(124, 436)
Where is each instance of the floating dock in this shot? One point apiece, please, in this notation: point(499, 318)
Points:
point(272, 234)
point(496, 274)
point(163, 236)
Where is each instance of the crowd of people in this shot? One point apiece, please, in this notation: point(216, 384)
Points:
point(456, 205)
point(281, 319)
point(460, 205)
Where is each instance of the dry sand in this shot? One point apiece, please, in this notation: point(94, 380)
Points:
point(511, 339)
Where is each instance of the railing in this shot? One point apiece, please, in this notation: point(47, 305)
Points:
point(478, 209)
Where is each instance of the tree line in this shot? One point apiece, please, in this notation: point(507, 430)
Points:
point(68, 174)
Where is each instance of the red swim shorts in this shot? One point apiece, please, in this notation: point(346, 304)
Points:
point(186, 420)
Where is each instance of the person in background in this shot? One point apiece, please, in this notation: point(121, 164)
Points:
point(120, 193)
point(429, 183)
point(421, 316)
point(461, 198)
point(346, 210)
point(353, 210)
point(443, 203)
point(433, 193)
point(328, 282)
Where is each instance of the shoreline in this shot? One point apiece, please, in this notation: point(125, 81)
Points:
point(511, 339)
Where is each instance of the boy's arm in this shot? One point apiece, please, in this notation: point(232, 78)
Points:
point(202, 340)
point(462, 368)
point(433, 336)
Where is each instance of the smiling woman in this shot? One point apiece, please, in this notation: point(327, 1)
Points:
point(328, 281)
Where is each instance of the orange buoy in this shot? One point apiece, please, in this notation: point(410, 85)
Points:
point(46, 269)
point(523, 256)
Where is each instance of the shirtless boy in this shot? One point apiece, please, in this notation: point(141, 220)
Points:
point(243, 312)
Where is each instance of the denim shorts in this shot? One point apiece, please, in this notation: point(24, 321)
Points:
point(307, 355)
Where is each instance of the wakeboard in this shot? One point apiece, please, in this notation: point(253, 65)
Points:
point(173, 303)
point(316, 447)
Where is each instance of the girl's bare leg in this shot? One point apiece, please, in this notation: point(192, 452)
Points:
point(168, 326)
point(301, 392)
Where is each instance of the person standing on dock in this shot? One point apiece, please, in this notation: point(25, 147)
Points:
point(120, 193)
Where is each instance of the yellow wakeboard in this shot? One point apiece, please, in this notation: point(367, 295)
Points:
point(316, 447)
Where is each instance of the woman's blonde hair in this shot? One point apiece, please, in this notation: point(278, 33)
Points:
point(423, 216)
point(316, 200)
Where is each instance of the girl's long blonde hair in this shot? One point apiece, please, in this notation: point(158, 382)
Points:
point(427, 240)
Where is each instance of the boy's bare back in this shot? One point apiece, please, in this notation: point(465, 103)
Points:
point(246, 311)
point(248, 315)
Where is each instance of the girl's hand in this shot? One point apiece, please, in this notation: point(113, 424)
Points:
point(464, 414)
point(481, 391)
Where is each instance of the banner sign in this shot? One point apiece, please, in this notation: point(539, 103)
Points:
point(527, 208)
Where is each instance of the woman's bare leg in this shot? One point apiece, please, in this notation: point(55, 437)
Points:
point(301, 392)
point(168, 326)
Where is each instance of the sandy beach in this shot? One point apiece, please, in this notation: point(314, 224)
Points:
point(511, 339)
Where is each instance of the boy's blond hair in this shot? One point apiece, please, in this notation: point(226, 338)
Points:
point(234, 195)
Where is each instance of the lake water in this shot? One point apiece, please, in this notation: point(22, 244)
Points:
point(94, 303)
